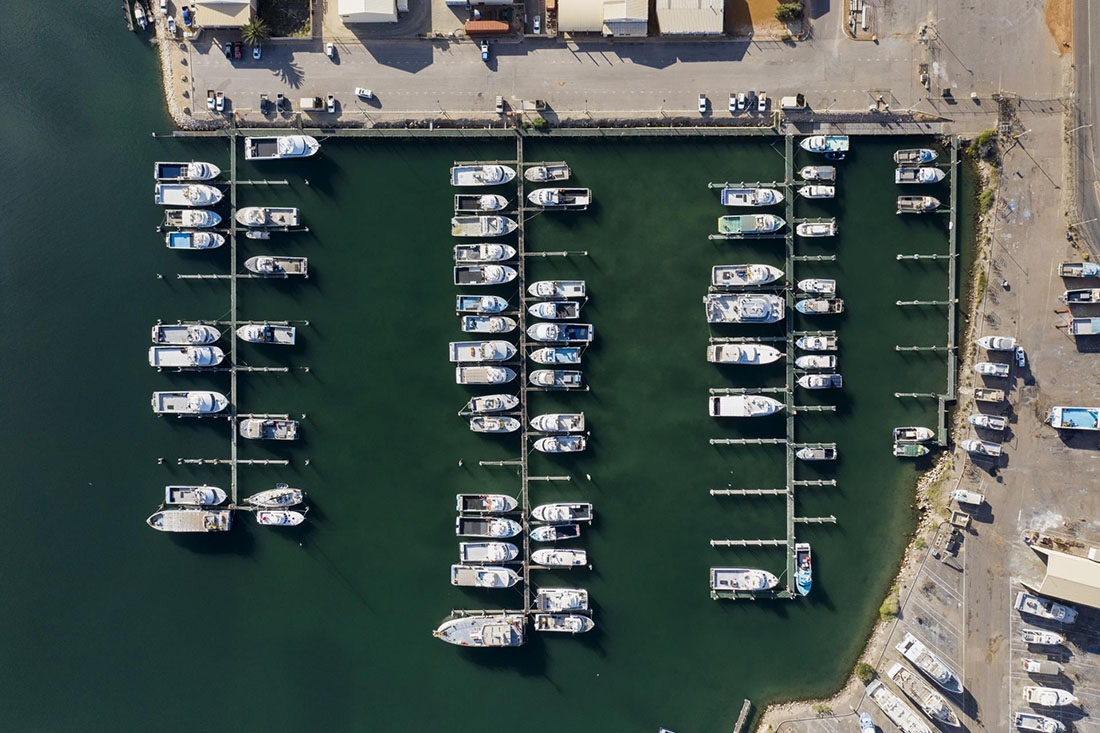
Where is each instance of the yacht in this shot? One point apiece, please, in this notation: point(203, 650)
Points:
point(1041, 636)
point(917, 204)
point(280, 147)
point(191, 520)
point(279, 497)
point(817, 286)
point(555, 310)
point(193, 240)
point(991, 369)
point(268, 266)
point(491, 630)
point(484, 252)
point(493, 527)
point(268, 216)
point(910, 450)
point(816, 228)
point(485, 503)
point(279, 517)
point(492, 403)
point(483, 375)
point(561, 198)
point(749, 224)
point(927, 699)
point(1034, 721)
point(751, 197)
point(562, 513)
point(559, 558)
point(484, 274)
point(482, 226)
point(551, 355)
point(825, 144)
point(494, 424)
point(193, 171)
point(754, 354)
point(257, 428)
point(194, 495)
point(480, 304)
point(191, 218)
point(556, 600)
point(916, 652)
point(567, 623)
point(913, 434)
point(556, 532)
point(818, 173)
point(742, 579)
point(816, 343)
point(544, 173)
point(558, 422)
point(561, 444)
point(555, 378)
point(480, 202)
point(819, 306)
point(1048, 697)
point(193, 402)
point(804, 569)
point(914, 156)
point(981, 448)
point(904, 717)
point(479, 351)
point(488, 324)
point(1045, 608)
point(734, 276)
point(988, 422)
point(487, 552)
point(186, 194)
point(925, 174)
point(481, 175)
point(267, 333)
point(997, 343)
point(817, 191)
point(744, 308)
point(483, 576)
point(184, 333)
point(821, 381)
point(185, 357)
point(1046, 667)
point(565, 333)
point(816, 361)
point(743, 405)
point(816, 453)
point(1079, 269)
point(552, 289)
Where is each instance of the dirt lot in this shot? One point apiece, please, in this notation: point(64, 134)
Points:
point(756, 19)
point(1059, 17)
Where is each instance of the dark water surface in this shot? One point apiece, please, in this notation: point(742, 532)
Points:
point(110, 625)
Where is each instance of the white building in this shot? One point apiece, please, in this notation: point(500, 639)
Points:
point(691, 17)
point(367, 11)
point(621, 18)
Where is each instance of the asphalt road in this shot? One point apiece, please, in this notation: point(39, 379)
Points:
point(1086, 38)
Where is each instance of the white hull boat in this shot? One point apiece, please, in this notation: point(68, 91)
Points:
point(483, 202)
point(267, 333)
point(194, 495)
point(1048, 697)
point(817, 192)
point(268, 217)
point(491, 630)
point(820, 306)
point(744, 308)
point(191, 520)
point(566, 623)
point(913, 434)
point(818, 173)
point(556, 532)
point(749, 580)
point(257, 428)
point(561, 198)
point(555, 378)
point(825, 144)
point(490, 527)
point(483, 576)
point(816, 343)
point(821, 381)
point(193, 240)
point(1041, 637)
point(817, 286)
point(997, 343)
point(185, 357)
point(917, 204)
point(278, 498)
point(485, 503)
point(484, 252)
point(492, 403)
point(481, 175)
point(494, 424)
point(981, 448)
point(914, 156)
point(750, 224)
point(816, 453)
point(558, 422)
point(743, 406)
point(482, 226)
point(744, 354)
point(184, 334)
point(484, 275)
point(487, 552)
point(280, 147)
point(552, 355)
point(751, 197)
point(910, 450)
point(991, 369)
point(544, 173)
point(904, 717)
point(480, 304)
point(556, 289)
point(988, 422)
point(927, 699)
point(557, 600)
point(816, 228)
point(480, 351)
point(488, 324)
point(924, 660)
point(193, 403)
point(483, 375)
point(1042, 666)
point(1036, 722)
point(735, 276)
point(562, 513)
point(191, 218)
point(193, 171)
point(1045, 608)
point(279, 518)
point(923, 174)
point(186, 194)
point(816, 361)
point(555, 310)
point(267, 266)
point(561, 444)
point(562, 333)
point(559, 558)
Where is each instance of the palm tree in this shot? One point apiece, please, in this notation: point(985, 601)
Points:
point(255, 32)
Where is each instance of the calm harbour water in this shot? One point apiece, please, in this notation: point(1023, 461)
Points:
point(112, 625)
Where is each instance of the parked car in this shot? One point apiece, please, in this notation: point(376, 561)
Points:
point(221, 101)
point(330, 50)
point(1021, 357)
point(210, 99)
point(364, 93)
point(331, 103)
point(500, 105)
point(485, 51)
point(750, 100)
point(537, 26)
point(228, 49)
point(280, 102)
point(733, 101)
point(740, 101)
point(237, 50)
point(186, 16)
point(263, 104)
point(164, 8)
point(702, 103)
point(762, 102)
point(256, 53)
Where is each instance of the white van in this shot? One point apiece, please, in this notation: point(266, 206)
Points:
point(795, 102)
point(308, 104)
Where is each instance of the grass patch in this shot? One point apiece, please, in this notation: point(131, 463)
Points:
point(822, 709)
point(888, 611)
point(285, 18)
point(985, 200)
point(920, 543)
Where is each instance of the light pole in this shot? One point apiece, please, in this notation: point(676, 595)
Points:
point(1079, 223)
point(1079, 127)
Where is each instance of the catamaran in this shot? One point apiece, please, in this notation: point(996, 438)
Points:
point(191, 520)
point(492, 630)
point(924, 174)
point(568, 623)
point(557, 289)
point(743, 406)
point(484, 275)
point(750, 354)
point(186, 194)
point(751, 197)
point(733, 276)
point(487, 552)
point(482, 226)
point(193, 171)
point(826, 228)
point(744, 308)
point(817, 192)
point(558, 422)
point(750, 224)
point(927, 699)
point(561, 444)
point(185, 357)
point(281, 496)
point(478, 351)
point(267, 333)
point(268, 266)
point(492, 403)
point(483, 576)
point(916, 652)
point(488, 324)
point(258, 428)
point(184, 333)
point(193, 402)
point(825, 144)
point(483, 375)
point(280, 147)
point(480, 304)
point(561, 198)
point(494, 424)
point(194, 495)
point(742, 579)
point(481, 175)
point(191, 218)
point(268, 216)
point(551, 355)
point(904, 717)
point(193, 240)
point(542, 173)
point(484, 252)
point(566, 333)
point(1045, 608)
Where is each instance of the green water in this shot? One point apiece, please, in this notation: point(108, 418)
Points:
point(113, 626)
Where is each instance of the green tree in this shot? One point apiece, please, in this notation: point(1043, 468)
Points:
point(864, 672)
point(255, 32)
point(788, 11)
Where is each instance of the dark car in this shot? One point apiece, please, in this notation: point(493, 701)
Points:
point(186, 16)
point(228, 50)
point(237, 50)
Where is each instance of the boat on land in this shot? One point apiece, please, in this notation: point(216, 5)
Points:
point(917, 204)
point(484, 274)
point(562, 512)
point(910, 450)
point(817, 191)
point(194, 495)
point(866, 723)
point(184, 333)
point(1045, 608)
point(567, 623)
point(193, 171)
point(478, 351)
point(483, 375)
point(193, 240)
point(192, 402)
point(494, 424)
point(913, 434)
point(551, 355)
point(558, 422)
point(816, 343)
point(1081, 296)
point(553, 289)
point(258, 428)
point(804, 569)
point(984, 394)
point(191, 520)
point(1084, 326)
point(561, 198)
point(279, 518)
point(968, 497)
point(1042, 666)
point(818, 173)
point(924, 660)
point(1041, 636)
point(483, 576)
point(1079, 269)
point(1048, 697)
point(269, 266)
point(749, 224)
point(560, 558)
point(561, 599)
point(494, 527)
point(922, 174)
point(281, 496)
point(981, 448)
point(484, 252)
point(816, 361)
point(816, 228)
point(748, 354)
point(825, 144)
point(751, 197)
point(268, 216)
point(280, 147)
point(742, 579)
point(816, 453)
point(480, 304)
point(488, 324)
point(744, 308)
point(186, 194)
point(185, 357)
point(482, 226)
point(566, 333)
point(914, 156)
point(821, 381)
point(543, 173)
point(988, 422)
point(556, 532)
point(817, 286)
point(267, 333)
point(487, 552)
point(481, 175)
point(492, 403)
point(493, 630)
point(734, 276)
point(819, 306)
point(932, 703)
point(1036, 722)
point(904, 717)
point(480, 202)
point(991, 369)
point(561, 444)
point(1075, 418)
point(997, 343)
point(743, 405)
point(191, 218)
point(555, 309)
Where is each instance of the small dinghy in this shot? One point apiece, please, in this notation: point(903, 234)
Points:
point(1041, 636)
point(267, 333)
point(555, 310)
point(1048, 697)
point(561, 444)
point(819, 306)
point(816, 453)
point(752, 197)
point(816, 228)
point(566, 333)
point(191, 218)
point(735, 276)
point(484, 202)
point(543, 173)
point(492, 403)
point(817, 286)
point(817, 192)
point(486, 552)
point(484, 252)
point(484, 275)
point(256, 428)
point(281, 496)
point(816, 361)
point(483, 576)
point(997, 343)
point(494, 424)
point(818, 173)
point(567, 623)
point(194, 495)
point(192, 402)
point(185, 333)
point(279, 518)
point(556, 532)
point(556, 378)
point(559, 558)
point(821, 381)
point(913, 434)
point(267, 266)
point(488, 324)
point(816, 343)
point(485, 503)
point(910, 450)
point(988, 422)
point(981, 448)
point(551, 355)
point(185, 357)
point(556, 289)
point(558, 422)
point(751, 354)
point(743, 406)
point(480, 304)
point(922, 174)
point(562, 512)
point(991, 369)
point(193, 240)
point(483, 375)
point(480, 351)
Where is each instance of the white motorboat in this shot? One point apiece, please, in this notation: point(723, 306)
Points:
point(818, 173)
point(924, 660)
point(567, 623)
point(551, 355)
point(753, 197)
point(816, 453)
point(558, 422)
point(280, 497)
point(967, 497)
point(180, 334)
point(556, 378)
point(1048, 697)
point(1036, 722)
point(484, 252)
point(191, 520)
point(494, 424)
point(997, 343)
point(914, 156)
point(480, 304)
point(816, 361)
point(744, 308)
point(493, 527)
point(140, 16)
point(817, 286)
point(492, 403)
point(556, 600)
point(487, 552)
point(825, 144)
point(1046, 667)
point(191, 218)
point(485, 503)
point(258, 234)
point(561, 444)
point(748, 580)
point(559, 558)
point(1079, 269)
point(562, 512)
point(735, 276)
point(185, 357)
point(480, 351)
point(186, 194)
point(484, 275)
point(821, 381)
point(747, 354)
point(556, 532)
point(268, 217)
point(816, 343)
point(267, 333)
point(481, 175)
point(488, 324)
point(816, 191)
point(743, 406)
point(194, 495)
point(917, 204)
point(816, 228)
point(480, 202)
point(193, 171)
point(555, 310)
point(913, 434)
point(483, 576)
point(565, 333)
point(268, 266)
point(1045, 608)
point(193, 240)
point(819, 306)
point(483, 375)
point(279, 518)
point(910, 450)
point(260, 428)
point(981, 448)
point(490, 630)
point(922, 174)
point(750, 224)
point(1041, 636)
point(280, 147)
point(542, 173)
point(991, 369)
point(904, 717)
point(561, 198)
point(988, 422)
point(193, 402)
point(556, 289)
point(927, 699)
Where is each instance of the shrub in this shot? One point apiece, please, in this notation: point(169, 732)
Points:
point(822, 709)
point(539, 123)
point(920, 543)
point(788, 12)
point(864, 672)
point(889, 608)
point(985, 200)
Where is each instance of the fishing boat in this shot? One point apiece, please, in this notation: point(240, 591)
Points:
point(826, 228)
point(561, 599)
point(566, 333)
point(1084, 326)
point(551, 355)
point(558, 422)
point(543, 173)
point(816, 453)
point(184, 333)
point(495, 527)
point(493, 424)
point(192, 402)
point(818, 362)
point(817, 286)
point(191, 218)
point(140, 16)
point(1081, 296)
point(1046, 667)
point(924, 174)
point(484, 275)
point(280, 147)
point(480, 202)
point(991, 369)
point(193, 240)
point(492, 403)
point(914, 156)
point(749, 224)
point(904, 717)
point(968, 497)
point(1045, 608)
point(193, 171)
point(478, 351)
point(561, 444)
point(917, 204)
point(559, 558)
point(555, 309)
point(816, 191)
point(185, 357)
point(997, 343)
point(268, 216)
point(821, 381)
point(556, 532)
point(194, 495)
point(1034, 721)
point(481, 175)
point(924, 660)
point(487, 552)
point(742, 579)
point(1048, 697)
point(482, 226)
point(735, 276)
point(927, 699)
point(910, 450)
point(269, 266)
point(186, 194)
point(988, 422)
point(751, 197)
point(568, 623)
point(561, 198)
point(819, 306)
point(818, 173)
point(744, 308)
point(483, 375)
point(483, 576)
point(480, 304)
point(562, 512)
point(1079, 269)
point(1075, 418)
point(484, 252)
point(984, 394)
point(280, 497)
point(492, 630)
point(825, 144)
point(267, 333)
point(743, 406)
point(804, 569)
point(981, 448)
point(816, 343)
point(259, 428)
point(748, 354)
point(488, 324)
point(1041, 636)
point(913, 434)
point(191, 520)
point(556, 289)
point(279, 518)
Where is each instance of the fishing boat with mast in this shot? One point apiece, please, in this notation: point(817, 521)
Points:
point(482, 226)
point(185, 357)
point(488, 324)
point(483, 576)
point(487, 552)
point(480, 304)
point(751, 580)
point(186, 194)
point(467, 202)
point(483, 252)
point(489, 527)
point(194, 495)
point(484, 275)
point(280, 147)
point(483, 375)
point(194, 403)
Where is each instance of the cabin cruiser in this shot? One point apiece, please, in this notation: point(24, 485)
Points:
point(481, 175)
point(268, 216)
point(904, 717)
point(743, 405)
point(819, 306)
point(749, 224)
point(193, 171)
point(482, 226)
point(185, 357)
point(751, 197)
point(561, 198)
point(1048, 697)
point(484, 274)
point(477, 351)
point(1041, 636)
point(488, 324)
point(997, 343)
point(561, 599)
point(918, 654)
point(186, 194)
point(485, 503)
point(568, 623)
point(991, 369)
point(267, 333)
point(817, 192)
point(484, 252)
point(914, 156)
point(816, 361)
point(559, 558)
point(191, 520)
point(556, 532)
point(279, 518)
point(913, 434)
point(558, 422)
point(480, 202)
point(1036, 722)
point(555, 310)
point(733, 276)
point(910, 450)
point(981, 448)
point(917, 204)
point(1045, 608)
point(491, 630)
point(494, 424)
point(562, 513)
point(754, 354)
point(492, 403)
point(566, 333)
point(816, 228)
point(816, 453)
point(825, 144)
point(927, 699)
point(742, 579)
point(280, 147)
point(988, 422)
point(194, 495)
point(185, 333)
point(494, 527)
point(480, 304)
point(821, 381)
point(542, 173)
point(561, 444)
point(555, 378)
point(268, 266)
point(486, 552)
point(191, 218)
point(818, 173)
point(552, 355)
point(744, 308)
point(551, 289)
point(281, 496)
point(193, 402)
point(803, 564)
point(483, 576)
point(817, 286)
point(259, 428)
point(924, 174)
point(816, 343)
point(483, 375)
point(193, 240)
